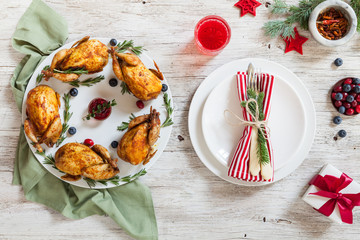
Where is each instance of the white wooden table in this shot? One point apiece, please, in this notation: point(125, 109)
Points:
point(190, 201)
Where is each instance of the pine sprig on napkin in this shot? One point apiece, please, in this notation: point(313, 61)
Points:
point(262, 151)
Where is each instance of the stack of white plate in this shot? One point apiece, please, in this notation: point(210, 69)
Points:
point(292, 119)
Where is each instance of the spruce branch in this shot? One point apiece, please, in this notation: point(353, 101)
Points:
point(279, 7)
point(355, 4)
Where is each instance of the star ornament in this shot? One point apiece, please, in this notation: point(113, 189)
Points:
point(295, 43)
point(247, 6)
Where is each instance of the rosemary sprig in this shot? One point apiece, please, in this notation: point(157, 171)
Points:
point(262, 150)
point(41, 75)
point(48, 159)
point(115, 180)
point(167, 103)
point(87, 82)
point(67, 116)
point(124, 88)
point(125, 125)
point(355, 4)
point(99, 109)
point(129, 46)
point(296, 14)
point(130, 178)
point(75, 71)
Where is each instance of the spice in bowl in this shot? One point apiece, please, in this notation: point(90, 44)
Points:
point(332, 24)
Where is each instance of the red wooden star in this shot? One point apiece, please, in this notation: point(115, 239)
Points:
point(247, 6)
point(295, 43)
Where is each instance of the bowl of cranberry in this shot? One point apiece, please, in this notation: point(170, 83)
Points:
point(345, 96)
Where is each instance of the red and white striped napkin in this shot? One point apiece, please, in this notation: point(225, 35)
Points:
point(239, 167)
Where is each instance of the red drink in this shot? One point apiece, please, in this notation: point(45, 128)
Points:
point(212, 34)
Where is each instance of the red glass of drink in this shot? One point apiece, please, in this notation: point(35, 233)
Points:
point(212, 34)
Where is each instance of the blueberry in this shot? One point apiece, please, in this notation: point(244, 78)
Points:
point(113, 42)
point(164, 88)
point(114, 144)
point(342, 133)
point(356, 81)
point(350, 98)
point(113, 82)
point(357, 89)
point(342, 109)
point(338, 96)
point(337, 120)
point(72, 130)
point(338, 62)
point(74, 92)
point(347, 88)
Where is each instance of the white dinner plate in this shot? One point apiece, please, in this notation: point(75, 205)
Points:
point(101, 132)
point(292, 119)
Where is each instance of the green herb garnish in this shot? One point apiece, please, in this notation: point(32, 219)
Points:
point(87, 82)
point(124, 88)
point(125, 125)
point(169, 110)
point(48, 159)
point(74, 71)
point(129, 46)
point(41, 75)
point(67, 116)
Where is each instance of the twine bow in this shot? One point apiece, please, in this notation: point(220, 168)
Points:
point(260, 125)
point(330, 187)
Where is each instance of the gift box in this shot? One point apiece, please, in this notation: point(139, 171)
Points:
point(333, 194)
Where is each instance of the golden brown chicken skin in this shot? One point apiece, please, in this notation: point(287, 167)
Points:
point(144, 83)
point(78, 160)
point(90, 55)
point(43, 124)
point(136, 146)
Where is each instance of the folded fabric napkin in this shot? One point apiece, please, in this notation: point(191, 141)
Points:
point(239, 166)
point(39, 32)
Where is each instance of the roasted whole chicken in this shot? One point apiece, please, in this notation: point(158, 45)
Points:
point(90, 55)
point(43, 124)
point(76, 160)
point(136, 145)
point(144, 83)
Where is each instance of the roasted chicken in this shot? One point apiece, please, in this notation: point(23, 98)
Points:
point(144, 83)
point(43, 124)
point(136, 145)
point(78, 160)
point(89, 55)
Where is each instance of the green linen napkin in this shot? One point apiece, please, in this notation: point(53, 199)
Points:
point(39, 32)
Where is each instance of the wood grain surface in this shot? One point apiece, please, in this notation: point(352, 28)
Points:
point(190, 201)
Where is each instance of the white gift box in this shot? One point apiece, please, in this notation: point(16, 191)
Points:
point(318, 201)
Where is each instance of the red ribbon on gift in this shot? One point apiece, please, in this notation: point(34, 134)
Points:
point(330, 188)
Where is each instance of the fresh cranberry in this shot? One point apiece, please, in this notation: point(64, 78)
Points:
point(357, 109)
point(353, 94)
point(352, 86)
point(333, 95)
point(338, 88)
point(140, 104)
point(354, 103)
point(348, 81)
point(349, 111)
point(339, 103)
point(358, 98)
point(345, 104)
point(88, 142)
point(345, 94)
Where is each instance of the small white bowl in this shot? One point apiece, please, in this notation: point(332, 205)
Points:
point(348, 12)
